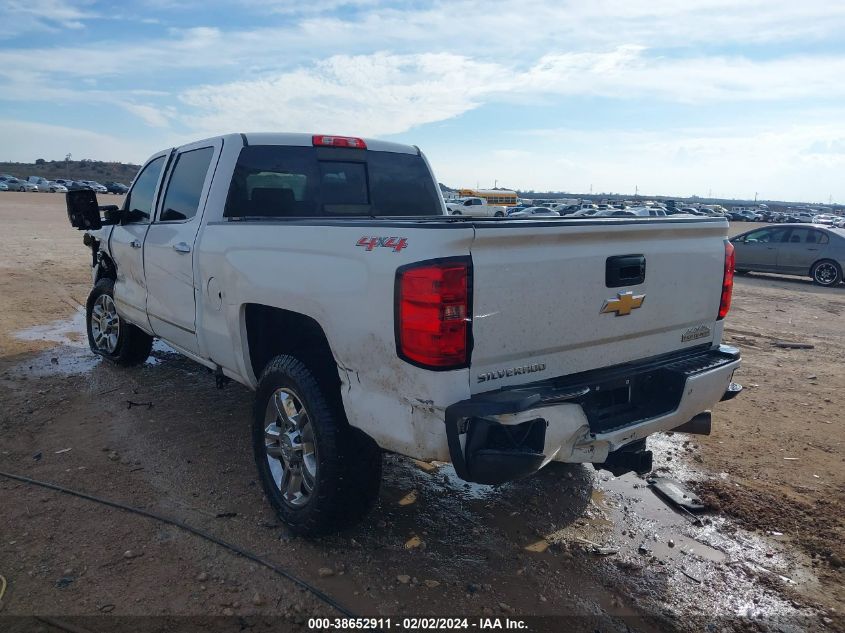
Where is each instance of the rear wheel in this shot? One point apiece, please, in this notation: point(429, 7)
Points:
point(319, 474)
point(826, 273)
point(456, 213)
point(108, 334)
point(499, 214)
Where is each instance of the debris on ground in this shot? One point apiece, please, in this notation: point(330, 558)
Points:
point(130, 404)
point(674, 492)
point(789, 345)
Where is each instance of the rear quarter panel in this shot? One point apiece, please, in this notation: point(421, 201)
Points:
point(321, 272)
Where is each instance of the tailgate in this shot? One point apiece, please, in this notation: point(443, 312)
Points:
point(539, 290)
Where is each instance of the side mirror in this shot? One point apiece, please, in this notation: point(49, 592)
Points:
point(82, 210)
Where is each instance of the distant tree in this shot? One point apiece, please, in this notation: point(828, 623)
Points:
point(40, 161)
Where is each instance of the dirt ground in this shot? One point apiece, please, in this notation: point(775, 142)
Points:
point(577, 547)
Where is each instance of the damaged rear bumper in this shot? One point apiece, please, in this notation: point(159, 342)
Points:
point(502, 435)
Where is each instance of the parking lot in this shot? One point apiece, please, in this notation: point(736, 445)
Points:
point(569, 541)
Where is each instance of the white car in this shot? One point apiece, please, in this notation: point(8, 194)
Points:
point(652, 212)
point(534, 212)
point(54, 187)
point(802, 216)
point(825, 219)
point(323, 273)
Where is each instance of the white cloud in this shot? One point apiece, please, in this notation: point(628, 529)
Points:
point(383, 94)
point(22, 16)
point(369, 95)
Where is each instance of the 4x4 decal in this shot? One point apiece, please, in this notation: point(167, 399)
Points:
point(396, 243)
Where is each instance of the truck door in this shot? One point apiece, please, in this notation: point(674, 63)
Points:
point(127, 239)
point(169, 247)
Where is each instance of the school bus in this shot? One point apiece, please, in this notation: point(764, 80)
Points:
point(492, 196)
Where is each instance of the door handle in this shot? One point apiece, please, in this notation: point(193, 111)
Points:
point(135, 244)
point(181, 247)
point(812, 249)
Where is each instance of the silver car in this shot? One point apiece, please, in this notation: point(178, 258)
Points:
point(793, 249)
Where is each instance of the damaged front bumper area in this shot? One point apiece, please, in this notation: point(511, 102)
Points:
point(601, 416)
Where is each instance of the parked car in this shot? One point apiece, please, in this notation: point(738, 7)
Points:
point(839, 222)
point(76, 185)
point(824, 219)
point(584, 212)
point(16, 184)
point(743, 215)
point(40, 182)
point(3, 186)
point(535, 212)
point(793, 249)
point(613, 213)
point(647, 211)
point(95, 186)
point(420, 335)
point(55, 187)
point(115, 187)
point(802, 216)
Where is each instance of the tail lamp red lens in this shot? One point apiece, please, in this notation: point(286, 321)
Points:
point(727, 280)
point(321, 140)
point(433, 326)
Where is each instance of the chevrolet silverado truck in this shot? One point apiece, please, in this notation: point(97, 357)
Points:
point(325, 274)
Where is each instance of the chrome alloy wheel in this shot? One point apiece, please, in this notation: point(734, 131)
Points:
point(825, 273)
point(290, 448)
point(105, 324)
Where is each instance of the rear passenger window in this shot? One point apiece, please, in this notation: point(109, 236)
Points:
point(182, 199)
point(344, 187)
point(291, 181)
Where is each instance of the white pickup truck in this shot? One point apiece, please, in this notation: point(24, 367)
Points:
point(476, 208)
point(323, 273)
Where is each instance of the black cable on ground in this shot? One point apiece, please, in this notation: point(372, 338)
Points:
point(195, 531)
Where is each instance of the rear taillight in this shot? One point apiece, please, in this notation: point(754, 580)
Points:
point(321, 140)
point(727, 280)
point(432, 313)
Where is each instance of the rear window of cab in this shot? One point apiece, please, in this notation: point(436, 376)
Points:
point(291, 182)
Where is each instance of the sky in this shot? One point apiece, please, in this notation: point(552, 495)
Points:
point(722, 98)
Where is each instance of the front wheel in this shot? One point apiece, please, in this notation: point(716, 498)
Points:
point(108, 334)
point(499, 214)
point(456, 213)
point(319, 474)
point(826, 273)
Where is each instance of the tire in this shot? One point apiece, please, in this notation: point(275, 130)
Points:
point(319, 474)
point(826, 273)
point(499, 214)
point(456, 213)
point(126, 346)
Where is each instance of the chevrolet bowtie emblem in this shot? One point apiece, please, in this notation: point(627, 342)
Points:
point(623, 304)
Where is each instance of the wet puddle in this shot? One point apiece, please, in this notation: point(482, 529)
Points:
point(701, 563)
point(71, 355)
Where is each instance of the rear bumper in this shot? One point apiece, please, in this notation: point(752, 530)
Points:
point(503, 435)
